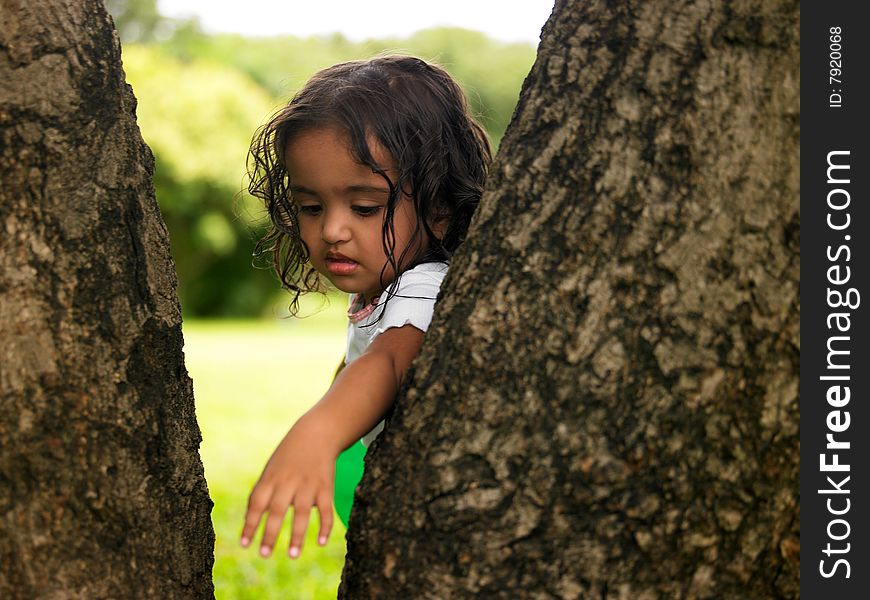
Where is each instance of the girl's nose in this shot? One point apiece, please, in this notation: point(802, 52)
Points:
point(335, 227)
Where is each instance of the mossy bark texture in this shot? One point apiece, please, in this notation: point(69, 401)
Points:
point(102, 493)
point(606, 405)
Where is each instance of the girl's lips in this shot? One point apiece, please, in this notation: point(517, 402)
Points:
point(341, 266)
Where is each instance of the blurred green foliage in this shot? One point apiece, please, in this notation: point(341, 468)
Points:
point(200, 99)
point(198, 117)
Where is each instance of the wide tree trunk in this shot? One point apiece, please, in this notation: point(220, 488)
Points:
point(102, 492)
point(606, 405)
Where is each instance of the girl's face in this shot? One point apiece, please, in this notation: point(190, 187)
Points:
point(341, 211)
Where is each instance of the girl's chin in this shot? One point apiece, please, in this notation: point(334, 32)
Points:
point(349, 288)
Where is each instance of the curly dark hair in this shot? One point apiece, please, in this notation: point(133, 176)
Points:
point(419, 115)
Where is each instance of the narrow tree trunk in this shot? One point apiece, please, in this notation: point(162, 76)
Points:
point(102, 492)
point(606, 405)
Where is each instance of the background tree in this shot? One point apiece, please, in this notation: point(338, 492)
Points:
point(136, 20)
point(101, 487)
point(606, 405)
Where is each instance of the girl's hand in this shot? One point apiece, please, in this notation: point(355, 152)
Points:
point(301, 472)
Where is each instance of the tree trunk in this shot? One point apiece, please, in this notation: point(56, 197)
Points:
point(606, 405)
point(102, 492)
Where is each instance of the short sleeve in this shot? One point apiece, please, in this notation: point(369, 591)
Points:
point(412, 299)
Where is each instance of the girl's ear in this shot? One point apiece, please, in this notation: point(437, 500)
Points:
point(439, 222)
point(439, 226)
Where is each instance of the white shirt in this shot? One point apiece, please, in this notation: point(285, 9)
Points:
point(411, 302)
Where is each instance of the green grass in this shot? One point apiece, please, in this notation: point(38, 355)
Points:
point(252, 380)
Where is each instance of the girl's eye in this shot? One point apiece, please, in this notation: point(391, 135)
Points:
point(309, 209)
point(366, 211)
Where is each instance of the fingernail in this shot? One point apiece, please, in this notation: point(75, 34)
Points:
point(322, 540)
point(294, 551)
point(265, 551)
point(244, 542)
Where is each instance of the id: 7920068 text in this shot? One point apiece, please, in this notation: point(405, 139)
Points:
point(835, 61)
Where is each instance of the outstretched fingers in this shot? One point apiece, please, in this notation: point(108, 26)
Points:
point(275, 502)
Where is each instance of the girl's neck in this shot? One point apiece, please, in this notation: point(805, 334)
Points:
point(368, 298)
point(361, 308)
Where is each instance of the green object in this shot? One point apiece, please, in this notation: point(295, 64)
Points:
point(348, 472)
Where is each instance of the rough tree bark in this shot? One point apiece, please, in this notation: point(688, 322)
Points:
point(606, 403)
point(102, 492)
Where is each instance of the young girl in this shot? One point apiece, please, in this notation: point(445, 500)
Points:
point(370, 175)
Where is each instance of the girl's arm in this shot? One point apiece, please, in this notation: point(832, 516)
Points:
point(301, 471)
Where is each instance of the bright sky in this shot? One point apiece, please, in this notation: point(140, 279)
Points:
point(361, 19)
